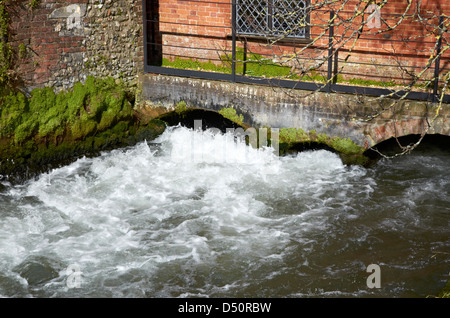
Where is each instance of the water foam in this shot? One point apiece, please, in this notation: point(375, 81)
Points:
point(193, 213)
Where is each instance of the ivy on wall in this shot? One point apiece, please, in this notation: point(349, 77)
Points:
point(6, 50)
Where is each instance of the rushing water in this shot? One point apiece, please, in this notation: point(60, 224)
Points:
point(200, 215)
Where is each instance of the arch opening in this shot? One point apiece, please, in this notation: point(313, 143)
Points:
point(430, 143)
point(209, 119)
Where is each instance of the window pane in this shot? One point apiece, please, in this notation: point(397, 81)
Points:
point(252, 17)
point(289, 18)
point(272, 17)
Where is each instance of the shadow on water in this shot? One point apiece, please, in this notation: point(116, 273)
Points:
point(433, 143)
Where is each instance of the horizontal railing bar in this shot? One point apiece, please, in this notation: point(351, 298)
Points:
point(296, 58)
point(272, 36)
point(336, 88)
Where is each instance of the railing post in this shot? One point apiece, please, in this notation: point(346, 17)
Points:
point(438, 60)
point(330, 51)
point(233, 39)
point(335, 67)
point(244, 63)
point(144, 18)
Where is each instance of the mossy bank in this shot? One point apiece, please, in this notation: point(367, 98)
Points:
point(47, 129)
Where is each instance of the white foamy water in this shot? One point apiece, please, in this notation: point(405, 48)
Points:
point(200, 214)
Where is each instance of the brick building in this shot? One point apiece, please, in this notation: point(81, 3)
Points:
point(390, 41)
point(60, 42)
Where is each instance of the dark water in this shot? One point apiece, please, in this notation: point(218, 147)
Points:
point(202, 216)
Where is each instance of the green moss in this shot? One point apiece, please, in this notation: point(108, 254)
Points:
point(291, 135)
point(108, 118)
point(195, 65)
point(76, 100)
point(322, 138)
point(288, 135)
point(255, 65)
point(291, 138)
point(25, 131)
point(34, 4)
point(22, 50)
point(445, 293)
point(154, 128)
point(180, 107)
point(362, 82)
point(5, 47)
point(345, 146)
point(261, 66)
point(230, 113)
point(49, 128)
point(95, 105)
point(82, 128)
point(13, 106)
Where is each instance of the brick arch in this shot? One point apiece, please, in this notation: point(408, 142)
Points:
point(377, 133)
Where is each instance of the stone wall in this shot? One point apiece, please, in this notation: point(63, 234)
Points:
point(113, 39)
point(66, 41)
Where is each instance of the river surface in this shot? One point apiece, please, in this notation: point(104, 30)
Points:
point(194, 214)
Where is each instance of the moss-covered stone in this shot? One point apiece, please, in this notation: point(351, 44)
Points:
point(293, 139)
point(49, 129)
point(181, 107)
point(230, 113)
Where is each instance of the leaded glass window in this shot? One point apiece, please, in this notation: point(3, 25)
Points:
point(278, 18)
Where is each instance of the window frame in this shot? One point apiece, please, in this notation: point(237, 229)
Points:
point(268, 32)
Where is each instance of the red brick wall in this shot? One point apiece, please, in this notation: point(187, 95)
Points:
point(45, 47)
point(195, 25)
point(208, 26)
point(101, 38)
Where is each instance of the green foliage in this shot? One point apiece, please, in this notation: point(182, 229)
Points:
point(87, 108)
point(230, 113)
point(6, 50)
point(259, 66)
point(22, 50)
point(195, 65)
point(5, 47)
point(12, 108)
point(445, 293)
point(34, 4)
point(291, 135)
point(362, 82)
point(346, 146)
point(322, 138)
point(349, 152)
point(180, 107)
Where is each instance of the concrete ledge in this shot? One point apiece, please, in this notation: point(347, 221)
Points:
point(341, 115)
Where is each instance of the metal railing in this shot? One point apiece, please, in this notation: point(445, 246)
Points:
point(154, 51)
